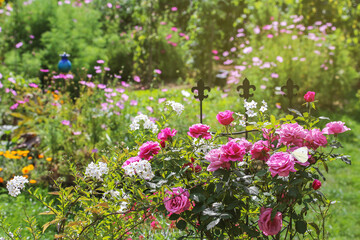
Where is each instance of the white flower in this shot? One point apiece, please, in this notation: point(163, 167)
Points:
point(96, 170)
point(177, 107)
point(250, 105)
point(185, 93)
point(142, 169)
point(251, 113)
point(14, 185)
point(148, 124)
point(242, 123)
point(263, 107)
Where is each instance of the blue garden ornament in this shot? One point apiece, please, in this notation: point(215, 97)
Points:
point(64, 65)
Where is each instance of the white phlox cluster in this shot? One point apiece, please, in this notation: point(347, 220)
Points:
point(177, 107)
point(249, 106)
point(15, 185)
point(96, 170)
point(141, 168)
point(148, 124)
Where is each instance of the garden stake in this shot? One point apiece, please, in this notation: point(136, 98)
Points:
point(246, 94)
point(290, 86)
point(200, 87)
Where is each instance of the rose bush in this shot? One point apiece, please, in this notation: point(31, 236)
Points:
point(208, 185)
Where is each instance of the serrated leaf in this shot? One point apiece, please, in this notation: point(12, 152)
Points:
point(212, 224)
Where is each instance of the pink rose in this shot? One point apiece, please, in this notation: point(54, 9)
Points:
point(268, 134)
point(260, 150)
point(309, 96)
point(281, 163)
point(177, 201)
point(232, 151)
point(216, 161)
point(267, 226)
point(243, 142)
point(316, 184)
point(148, 150)
point(131, 160)
point(225, 118)
point(166, 134)
point(291, 134)
point(314, 139)
point(199, 131)
point(335, 128)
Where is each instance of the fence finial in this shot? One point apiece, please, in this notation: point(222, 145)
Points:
point(200, 88)
point(246, 89)
point(290, 87)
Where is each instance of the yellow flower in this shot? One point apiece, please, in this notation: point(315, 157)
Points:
point(26, 176)
point(1, 153)
point(31, 167)
point(48, 159)
point(41, 156)
point(25, 170)
point(1, 179)
point(30, 158)
point(1, 169)
point(32, 181)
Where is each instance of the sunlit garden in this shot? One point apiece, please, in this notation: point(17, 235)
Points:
point(179, 119)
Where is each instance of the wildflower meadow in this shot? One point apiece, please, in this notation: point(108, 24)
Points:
point(182, 119)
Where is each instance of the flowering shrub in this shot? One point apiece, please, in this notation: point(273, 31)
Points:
point(208, 185)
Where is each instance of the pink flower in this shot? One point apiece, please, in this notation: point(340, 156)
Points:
point(157, 71)
point(243, 142)
point(148, 150)
point(100, 61)
point(314, 139)
point(15, 106)
point(65, 122)
point(174, 29)
point(260, 150)
point(335, 128)
point(18, 45)
point(166, 134)
point(136, 78)
point(44, 70)
point(291, 134)
point(232, 151)
point(199, 131)
point(174, 9)
point(274, 75)
point(216, 161)
point(316, 184)
point(225, 118)
point(177, 200)
point(101, 86)
point(279, 58)
point(281, 163)
point(309, 96)
point(161, 100)
point(268, 226)
point(131, 160)
point(33, 85)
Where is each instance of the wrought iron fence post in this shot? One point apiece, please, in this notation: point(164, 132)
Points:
point(246, 95)
point(200, 88)
point(290, 87)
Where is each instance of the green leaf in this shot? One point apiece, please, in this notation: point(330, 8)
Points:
point(295, 111)
point(212, 224)
point(174, 216)
point(345, 159)
point(316, 227)
point(181, 224)
point(301, 226)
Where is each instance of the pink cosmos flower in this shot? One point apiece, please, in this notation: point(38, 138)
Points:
point(65, 122)
point(15, 106)
point(174, 9)
point(161, 100)
point(315, 138)
point(44, 70)
point(291, 134)
point(309, 96)
point(199, 131)
point(166, 134)
point(18, 45)
point(225, 118)
point(101, 86)
point(232, 151)
point(157, 71)
point(136, 78)
point(100, 61)
point(33, 85)
point(131, 160)
point(149, 149)
point(216, 161)
point(177, 200)
point(281, 163)
point(335, 128)
point(268, 226)
point(260, 150)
